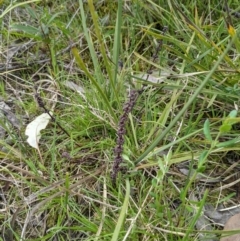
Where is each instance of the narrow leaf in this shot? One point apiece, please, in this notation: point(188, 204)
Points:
point(206, 130)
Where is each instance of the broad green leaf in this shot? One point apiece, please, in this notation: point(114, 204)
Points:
point(233, 114)
point(227, 143)
point(25, 28)
point(206, 130)
point(229, 121)
point(225, 128)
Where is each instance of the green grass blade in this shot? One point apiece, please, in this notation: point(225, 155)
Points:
point(93, 54)
point(117, 38)
point(99, 37)
point(196, 217)
point(122, 213)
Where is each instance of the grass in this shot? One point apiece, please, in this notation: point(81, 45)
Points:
point(181, 132)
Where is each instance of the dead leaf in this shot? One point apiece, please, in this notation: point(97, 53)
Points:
point(233, 223)
point(33, 129)
point(75, 87)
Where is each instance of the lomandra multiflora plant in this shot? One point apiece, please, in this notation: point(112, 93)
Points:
point(118, 150)
point(133, 95)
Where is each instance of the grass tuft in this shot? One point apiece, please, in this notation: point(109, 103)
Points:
point(143, 142)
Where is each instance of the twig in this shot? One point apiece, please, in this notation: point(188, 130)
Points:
point(42, 105)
